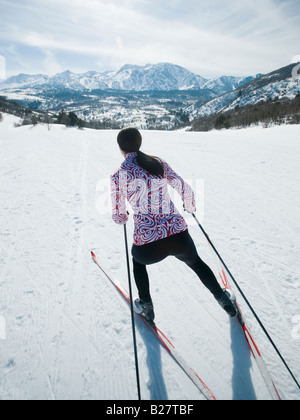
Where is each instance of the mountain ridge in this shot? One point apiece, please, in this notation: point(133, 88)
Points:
point(278, 84)
point(163, 96)
point(130, 77)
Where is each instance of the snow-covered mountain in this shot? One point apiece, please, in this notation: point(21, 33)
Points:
point(275, 85)
point(152, 96)
point(228, 83)
point(23, 80)
point(163, 76)
point(160, 77)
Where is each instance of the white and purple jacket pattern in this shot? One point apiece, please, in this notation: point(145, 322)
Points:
point(155, 216)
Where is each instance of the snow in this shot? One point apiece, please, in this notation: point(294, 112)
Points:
point(282, 89)
point(68, 332)
point(161, 76)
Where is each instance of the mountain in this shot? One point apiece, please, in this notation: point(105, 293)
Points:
point(157, 96)
point(152, 77)
point(228, 83)
point(24, 80)
point(163, 76)
point(150, 96)
point(278, 84)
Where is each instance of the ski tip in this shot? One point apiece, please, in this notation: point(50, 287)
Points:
point(93, 255)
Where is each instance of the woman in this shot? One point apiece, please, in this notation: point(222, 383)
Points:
point(160, 231)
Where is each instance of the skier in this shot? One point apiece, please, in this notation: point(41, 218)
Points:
point(160, 231)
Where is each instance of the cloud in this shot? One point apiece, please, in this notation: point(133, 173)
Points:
point(296, 59)
point(51, 64)
point(119, 42)
point(207, 36)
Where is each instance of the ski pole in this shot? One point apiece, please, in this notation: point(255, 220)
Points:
point(132, 317)
point(247, 302)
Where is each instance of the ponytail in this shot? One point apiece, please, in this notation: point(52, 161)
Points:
point(130, 140)
point(150, 164)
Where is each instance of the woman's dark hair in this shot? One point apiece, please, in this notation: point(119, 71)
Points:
point(130, 140)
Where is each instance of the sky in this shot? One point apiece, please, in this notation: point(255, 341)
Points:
point(208, 37)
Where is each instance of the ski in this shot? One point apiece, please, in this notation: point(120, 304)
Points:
point(249, 338)
point(166, 343)
point(252, 344)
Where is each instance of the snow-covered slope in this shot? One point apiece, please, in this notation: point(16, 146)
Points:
point(68, 333)
point(227, 83)
point(275, 85)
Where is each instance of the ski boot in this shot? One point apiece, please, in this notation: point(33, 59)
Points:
point(227, 301)
point(145, 310)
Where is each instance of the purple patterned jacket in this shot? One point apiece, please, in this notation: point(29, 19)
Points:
point(155, 216)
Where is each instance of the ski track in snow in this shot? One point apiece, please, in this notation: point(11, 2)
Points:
point(68, 330)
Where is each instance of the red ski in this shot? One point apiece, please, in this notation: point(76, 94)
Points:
point(194, 377)
point(252, 345)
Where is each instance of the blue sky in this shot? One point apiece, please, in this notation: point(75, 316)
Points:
point(209, 37)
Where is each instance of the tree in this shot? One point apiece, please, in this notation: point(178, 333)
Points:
point(222, 122)
point(48, 120)
point(73, 119)
point(34, 120)
point(70, 120)
point(63, 118)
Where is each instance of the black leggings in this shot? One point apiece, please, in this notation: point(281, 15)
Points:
point(180, 246)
